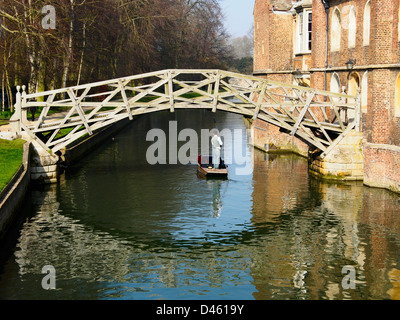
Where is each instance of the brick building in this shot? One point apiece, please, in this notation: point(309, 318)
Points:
point(309, 42)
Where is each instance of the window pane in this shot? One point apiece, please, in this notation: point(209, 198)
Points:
point(300, 35)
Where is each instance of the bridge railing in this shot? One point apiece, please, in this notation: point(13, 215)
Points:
point(319, 117)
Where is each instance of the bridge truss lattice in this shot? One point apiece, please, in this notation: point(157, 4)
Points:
point(318, 117)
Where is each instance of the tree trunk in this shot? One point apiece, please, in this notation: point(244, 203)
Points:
point(68, 55)
point(82, 53)
point(41, 80)
point(32, 56)
point(2, 92)
point(9, 93)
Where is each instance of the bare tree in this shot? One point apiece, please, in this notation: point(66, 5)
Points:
point(100, 39)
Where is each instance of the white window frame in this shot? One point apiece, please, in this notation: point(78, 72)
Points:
point(334, 85)
point(303, 34)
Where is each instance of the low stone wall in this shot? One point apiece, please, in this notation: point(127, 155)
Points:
point(43, 165)
point(382, 166)
point(12, 196)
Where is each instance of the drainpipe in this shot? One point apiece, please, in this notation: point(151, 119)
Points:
point(326, 6)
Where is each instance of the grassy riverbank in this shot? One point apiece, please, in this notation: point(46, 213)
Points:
point(5, 117)
point(10, 159)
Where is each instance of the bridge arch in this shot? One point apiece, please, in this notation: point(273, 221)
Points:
point(310, 114)
point(336, 30)
point(353, 83)
point(335, 83)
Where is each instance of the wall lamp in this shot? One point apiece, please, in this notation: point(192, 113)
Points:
point(350, 64)
point(326, 4)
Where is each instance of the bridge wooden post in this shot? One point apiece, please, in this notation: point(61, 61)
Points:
point(169, 91)
point(125, 99)
point(216, 91)
point(303, 112)
point(76, 105)
point(261, 96)
point(45, 110)
point(19, 121)
point(24, 109)
point(15, 120)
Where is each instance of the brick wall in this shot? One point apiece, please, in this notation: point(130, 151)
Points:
point(318, 53)
point(261, 43)
point(379, 126)
point(382, 31)
point(273, 35)
point(280, 32)
point(382, 166)
point(381, 129)
point(380, 113)
point(273, 51)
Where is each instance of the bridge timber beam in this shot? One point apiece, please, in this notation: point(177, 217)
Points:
point(320, 118)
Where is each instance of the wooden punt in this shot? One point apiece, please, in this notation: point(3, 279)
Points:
point(207, 170)
point(211, 172)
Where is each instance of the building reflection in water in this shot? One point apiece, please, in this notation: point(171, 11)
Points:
point(315, 228)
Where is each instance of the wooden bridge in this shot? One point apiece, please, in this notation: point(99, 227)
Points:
point(318, 117)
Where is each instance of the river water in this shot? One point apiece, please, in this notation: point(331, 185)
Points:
point(117, 227)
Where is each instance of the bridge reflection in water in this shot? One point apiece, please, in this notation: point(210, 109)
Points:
point(161, 232)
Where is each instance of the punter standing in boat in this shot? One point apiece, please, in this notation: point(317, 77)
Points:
point(216, 143)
